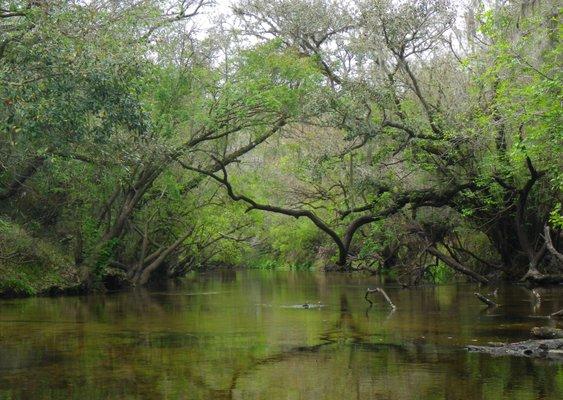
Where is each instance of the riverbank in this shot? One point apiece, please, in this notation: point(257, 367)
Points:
point(30, 279)
point(43, 266)
point(31, 266)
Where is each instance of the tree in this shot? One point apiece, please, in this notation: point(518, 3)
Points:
point(381, 62)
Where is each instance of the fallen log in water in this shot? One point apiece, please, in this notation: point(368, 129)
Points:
point(557, 314)
point(549, 348)
point(485, 300)
point(535, 278)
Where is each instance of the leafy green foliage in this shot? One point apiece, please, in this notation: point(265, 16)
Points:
point(113, 116)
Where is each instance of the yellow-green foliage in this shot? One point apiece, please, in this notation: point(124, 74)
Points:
point(294, 242)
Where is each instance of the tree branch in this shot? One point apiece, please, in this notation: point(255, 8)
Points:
point(271, 208)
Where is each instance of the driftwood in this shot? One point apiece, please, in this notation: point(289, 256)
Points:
point(557, 314)
point(485, 300)
point(368, 291)
point(546, 332)
point(550, 348)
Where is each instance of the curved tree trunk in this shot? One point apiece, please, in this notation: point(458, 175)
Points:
point(144, 274)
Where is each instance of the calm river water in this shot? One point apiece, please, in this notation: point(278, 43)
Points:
point(245, 335)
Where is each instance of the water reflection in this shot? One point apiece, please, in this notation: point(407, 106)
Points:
point(234, 335)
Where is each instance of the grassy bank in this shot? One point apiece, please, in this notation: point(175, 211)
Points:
point(31, 266)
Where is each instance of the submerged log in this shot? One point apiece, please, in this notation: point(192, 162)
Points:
point(548, 348)
point(485, 300)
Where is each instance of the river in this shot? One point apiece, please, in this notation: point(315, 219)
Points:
point(246, 335)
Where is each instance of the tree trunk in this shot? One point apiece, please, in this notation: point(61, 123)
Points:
point(547, 237)
point(144, 276)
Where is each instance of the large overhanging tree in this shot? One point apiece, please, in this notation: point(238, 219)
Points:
point(228, 116)
point(112, 123)
point(400, 81)
point(122, 103)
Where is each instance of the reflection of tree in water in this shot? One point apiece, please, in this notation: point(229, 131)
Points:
point(410, 369)
point(345, 331)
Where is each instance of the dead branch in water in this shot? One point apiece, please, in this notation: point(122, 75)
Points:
point(368, 291)
point(486, 300)
point(557, 314)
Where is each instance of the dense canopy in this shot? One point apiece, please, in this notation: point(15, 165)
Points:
point(142, 139)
